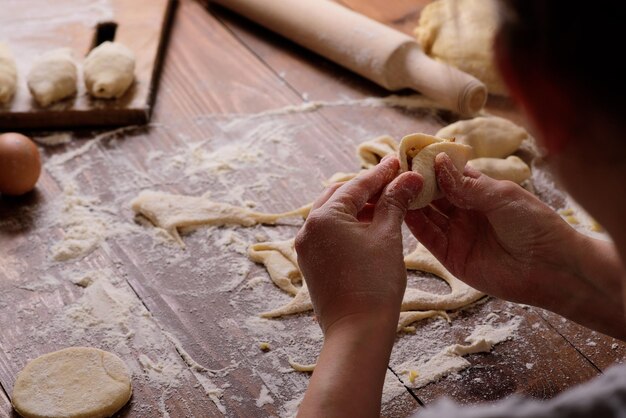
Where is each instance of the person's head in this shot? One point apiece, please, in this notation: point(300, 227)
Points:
point(561, 61)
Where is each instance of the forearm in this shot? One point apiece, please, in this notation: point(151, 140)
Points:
point(350, 371)
point(592, 294)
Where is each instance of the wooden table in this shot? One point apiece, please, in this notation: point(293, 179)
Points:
point(220, 73)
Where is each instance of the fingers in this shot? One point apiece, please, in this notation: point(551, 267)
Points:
point(326, 194)
point(353, 195)
point(427, 232)
point(474, 192)
point(394, 201)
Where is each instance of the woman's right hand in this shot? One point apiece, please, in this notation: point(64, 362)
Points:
point(504, 241)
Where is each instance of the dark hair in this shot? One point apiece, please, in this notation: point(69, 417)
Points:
point(581, 43)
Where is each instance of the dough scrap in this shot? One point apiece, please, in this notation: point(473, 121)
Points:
point(371, 152)
point(492, 137)
point(109, 70)
point(172, 211)
point(461, 33)
point(76, 382)
point(280, 260)
point(53, 77)
point(8, 74)
point(512, 168)
point(414, 299)
point(418, 151)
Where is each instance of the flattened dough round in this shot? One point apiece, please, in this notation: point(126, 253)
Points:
point(76, 382)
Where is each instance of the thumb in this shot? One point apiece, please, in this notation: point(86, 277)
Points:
point(394, 201)
point(473, 191)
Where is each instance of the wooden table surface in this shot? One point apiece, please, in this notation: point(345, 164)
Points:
point(197, 305)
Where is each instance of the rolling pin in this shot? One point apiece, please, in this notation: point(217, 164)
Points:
point(385, 56)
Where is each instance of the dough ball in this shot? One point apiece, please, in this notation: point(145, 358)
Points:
point(77, 382)
point(418, 151)
point(512, 168)
point(53, 77)
point(8, 74)
point(20, 164)
point(109, 70)
point(461, 33)
point(491, 137)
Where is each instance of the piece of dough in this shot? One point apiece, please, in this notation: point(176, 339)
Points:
point(8, 74)
point(171, 211)
point(512, 168)
point(414, 299)
point(53, 77)
point(371, 152)
point(275, 256)
point(109, 70)
point(491, 137)
point(77, 382)
point(418, 151)
point(461, 33)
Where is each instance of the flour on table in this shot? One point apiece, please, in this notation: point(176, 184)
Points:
point(264, 397)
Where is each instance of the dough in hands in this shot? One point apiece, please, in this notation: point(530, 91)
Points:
point(77, 382)
point(461, 33)
point(8, 74)
point(418, 152)
point(492, 137)
point(109, 70)
point(511, 168)
point(53, 77)
point(371, 152)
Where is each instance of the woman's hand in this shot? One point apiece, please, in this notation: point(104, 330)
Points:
point(502, 240)
point(350, 251)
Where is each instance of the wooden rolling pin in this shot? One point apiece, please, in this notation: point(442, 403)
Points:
point(383, 55)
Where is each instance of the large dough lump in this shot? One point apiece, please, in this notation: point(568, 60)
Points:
point(8, 74)
point(77, 382)
point(109, 70)
point(418, 151)
point(53, 77)
point(461, 33)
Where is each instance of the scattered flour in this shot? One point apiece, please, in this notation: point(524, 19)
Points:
point(264, 397)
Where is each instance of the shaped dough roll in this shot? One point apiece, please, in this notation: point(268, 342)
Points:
point(8, 74)
point(109, 70)
point(53, 77)
point(371, 152)
point(491, 137)
point(418, 151)
point(511, 168)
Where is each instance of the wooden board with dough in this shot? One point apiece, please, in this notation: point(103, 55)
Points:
point(30, 29)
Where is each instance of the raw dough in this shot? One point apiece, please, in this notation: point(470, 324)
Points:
point(171, 211)
point(53, 77)
point(491, 137)
point(109, 70)
point(8, 74)
point(371, 152)
point(461, 33)
point(512, 168)
point(418, 151)
point(77, 382)
point(414, 299)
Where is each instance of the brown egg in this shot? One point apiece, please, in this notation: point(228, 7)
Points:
point(20, 164)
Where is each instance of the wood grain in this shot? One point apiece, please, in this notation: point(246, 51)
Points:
point(142, 26)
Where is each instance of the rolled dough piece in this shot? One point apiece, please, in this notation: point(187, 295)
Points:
point(371, 152)
point(418, 151)
point(512, 168)
point(491, 137)
point(53, 77)
point(77, 382)
point(276, 258)
point(8, 74)
point(171, 211)
point(109, 70)
point(461, 33)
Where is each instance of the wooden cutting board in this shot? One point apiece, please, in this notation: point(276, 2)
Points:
point(32, 27)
